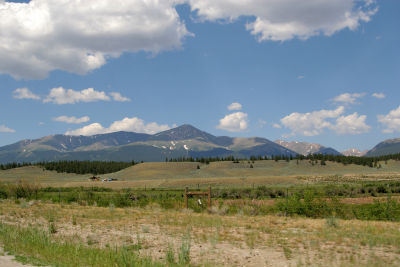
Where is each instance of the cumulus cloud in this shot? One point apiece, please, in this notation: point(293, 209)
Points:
point(347, 98)
point(379, 95)
point(118, 97)
point(68, 96)
point(135, 124)
point(62, 96)
point(351, 124)
point(235, 106)
point(391, 121)
point(5, 129)
point(72, 120)
point(311, 123)
point(24, 93)
point(276, 126)
point(314, 123)
point(282, 20)
point(79, 36)
point(92, 129)
point(235, 122)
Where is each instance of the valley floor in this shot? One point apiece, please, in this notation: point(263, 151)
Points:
point(216, 174)
point(206, 239)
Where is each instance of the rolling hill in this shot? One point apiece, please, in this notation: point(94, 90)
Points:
point(182, 141)
point(387, 147)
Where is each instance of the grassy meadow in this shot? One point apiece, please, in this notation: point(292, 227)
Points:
point(264, 213)
point(216, 174)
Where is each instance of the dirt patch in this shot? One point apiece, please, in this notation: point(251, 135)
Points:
point(218, 240)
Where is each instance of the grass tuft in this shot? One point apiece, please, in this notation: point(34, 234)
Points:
point(37, 246)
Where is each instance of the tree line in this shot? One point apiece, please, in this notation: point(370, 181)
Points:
point(322, 158)
point(78, 167)
point(102, 167)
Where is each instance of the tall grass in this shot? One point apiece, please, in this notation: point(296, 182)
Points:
point(39, 247)
point(319, 201)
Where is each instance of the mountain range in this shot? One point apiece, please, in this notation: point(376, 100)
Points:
point(182, 141)
point(305, 148)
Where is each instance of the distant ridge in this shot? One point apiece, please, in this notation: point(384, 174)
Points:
point(387, 147)
point(304, 148)
point(354, 152)
point(182, 141)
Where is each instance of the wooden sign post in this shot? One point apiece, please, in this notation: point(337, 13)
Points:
point(187, 194)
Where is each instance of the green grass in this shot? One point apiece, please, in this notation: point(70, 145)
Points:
point(36, 246)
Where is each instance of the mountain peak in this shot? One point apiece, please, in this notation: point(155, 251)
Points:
point(354, 152)
point(185, 131)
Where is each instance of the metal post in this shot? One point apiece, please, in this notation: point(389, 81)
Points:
point(186, 198)
point(209, 197)
point(287, 201)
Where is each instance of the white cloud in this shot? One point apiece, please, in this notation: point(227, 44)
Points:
point(276, 126)
point(347, 98)
point(5, 129)
point(391, 121)
point(72, 120)
point(261, 123)
point(235, 106)
point(235, 122)
point(63, 96)
point(91, 129)
point(379, 95)
point(312, 123)
point(351, 124)
point(24, 93)
point(118, 97)
point(127, 124)
point(300, 77)
point(281, 20)
point(79, 36)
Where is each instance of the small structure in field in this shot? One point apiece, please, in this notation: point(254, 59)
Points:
point(109, 179)
point(197, 193)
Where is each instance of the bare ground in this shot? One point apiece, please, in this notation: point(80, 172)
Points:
point(219, 240)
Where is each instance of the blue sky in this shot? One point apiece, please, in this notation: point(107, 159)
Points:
point(305, 72)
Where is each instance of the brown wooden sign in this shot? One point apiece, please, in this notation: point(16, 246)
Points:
point(197, 193)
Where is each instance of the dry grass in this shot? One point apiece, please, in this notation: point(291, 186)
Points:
point(219, 240)
point(180, 174)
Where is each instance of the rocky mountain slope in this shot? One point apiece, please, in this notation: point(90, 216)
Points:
point(354, 152)
point(305, 148)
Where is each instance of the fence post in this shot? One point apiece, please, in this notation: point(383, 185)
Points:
point(186, 198)
point(287, 201)
point(209, 197)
